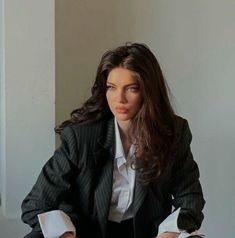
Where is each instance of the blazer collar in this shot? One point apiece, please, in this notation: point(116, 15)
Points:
point(105, 142)
point(104, 157)
point(139, 194)
point(106, 138)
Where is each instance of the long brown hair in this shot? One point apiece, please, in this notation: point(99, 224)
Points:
point(154, 125)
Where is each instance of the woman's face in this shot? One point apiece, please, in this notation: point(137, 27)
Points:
point(123, 94)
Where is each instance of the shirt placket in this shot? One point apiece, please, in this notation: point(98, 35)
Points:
point(125, 191)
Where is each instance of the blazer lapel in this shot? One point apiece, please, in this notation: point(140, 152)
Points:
point(139, 194)
point(104, 160)
point(104, 157)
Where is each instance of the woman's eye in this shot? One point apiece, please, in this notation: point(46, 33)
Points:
point(108, 87)
point(133, 89)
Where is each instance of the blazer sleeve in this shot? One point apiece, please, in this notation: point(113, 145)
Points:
point(186, 187)
point(53, 183)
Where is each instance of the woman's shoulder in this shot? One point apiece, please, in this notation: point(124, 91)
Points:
point(182, 129)
point(88, 130)
point(180, 122)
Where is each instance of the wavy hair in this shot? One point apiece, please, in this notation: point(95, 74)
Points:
point(153, 127)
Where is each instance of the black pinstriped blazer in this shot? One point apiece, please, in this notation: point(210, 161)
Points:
point(78, 180)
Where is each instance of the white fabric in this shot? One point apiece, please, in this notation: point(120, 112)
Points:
point(55, 223)
point(170, 225)
point(123, 182)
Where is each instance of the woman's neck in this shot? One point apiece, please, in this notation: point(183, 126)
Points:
point(124, 135)
point(124, 128)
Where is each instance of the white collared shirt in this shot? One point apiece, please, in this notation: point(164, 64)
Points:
point(122, 198)
point(123, 181)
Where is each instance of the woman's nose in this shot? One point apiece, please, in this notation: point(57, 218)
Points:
point(121, 96)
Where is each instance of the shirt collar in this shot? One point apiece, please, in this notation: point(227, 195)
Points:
point(119, 152)
point(118, 143)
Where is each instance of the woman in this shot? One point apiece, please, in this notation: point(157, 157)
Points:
point(123, 163)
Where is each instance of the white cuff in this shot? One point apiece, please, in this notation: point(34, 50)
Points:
point(185, 234)
point(170, 225)
point(55, 223)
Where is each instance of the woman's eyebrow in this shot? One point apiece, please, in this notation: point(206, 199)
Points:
point(109, 83)
point(126, 85)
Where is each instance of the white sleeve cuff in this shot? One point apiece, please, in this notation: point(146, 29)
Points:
point(55, 223)
point(170, 225)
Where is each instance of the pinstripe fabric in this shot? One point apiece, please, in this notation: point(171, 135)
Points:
point(103, 195)
point(140, 193)
point(78, 180)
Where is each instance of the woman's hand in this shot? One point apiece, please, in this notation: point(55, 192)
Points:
point(67, 235)
point(168, 235)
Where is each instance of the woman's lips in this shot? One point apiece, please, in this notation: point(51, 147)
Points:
point(121, 110)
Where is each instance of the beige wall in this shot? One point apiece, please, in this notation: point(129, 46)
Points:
point(195, 44)
point(84, 29)
point(27, 107)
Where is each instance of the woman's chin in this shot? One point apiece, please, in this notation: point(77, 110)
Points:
point(122, 117)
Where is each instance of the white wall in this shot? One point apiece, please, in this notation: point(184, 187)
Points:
point(195, 44)
point(1, 90)
point(28, 103)
point(84, 29)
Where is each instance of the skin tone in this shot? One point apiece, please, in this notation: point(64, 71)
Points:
point(168, 235)
point(125, 100)
point(163, 235)
point(67, 235)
